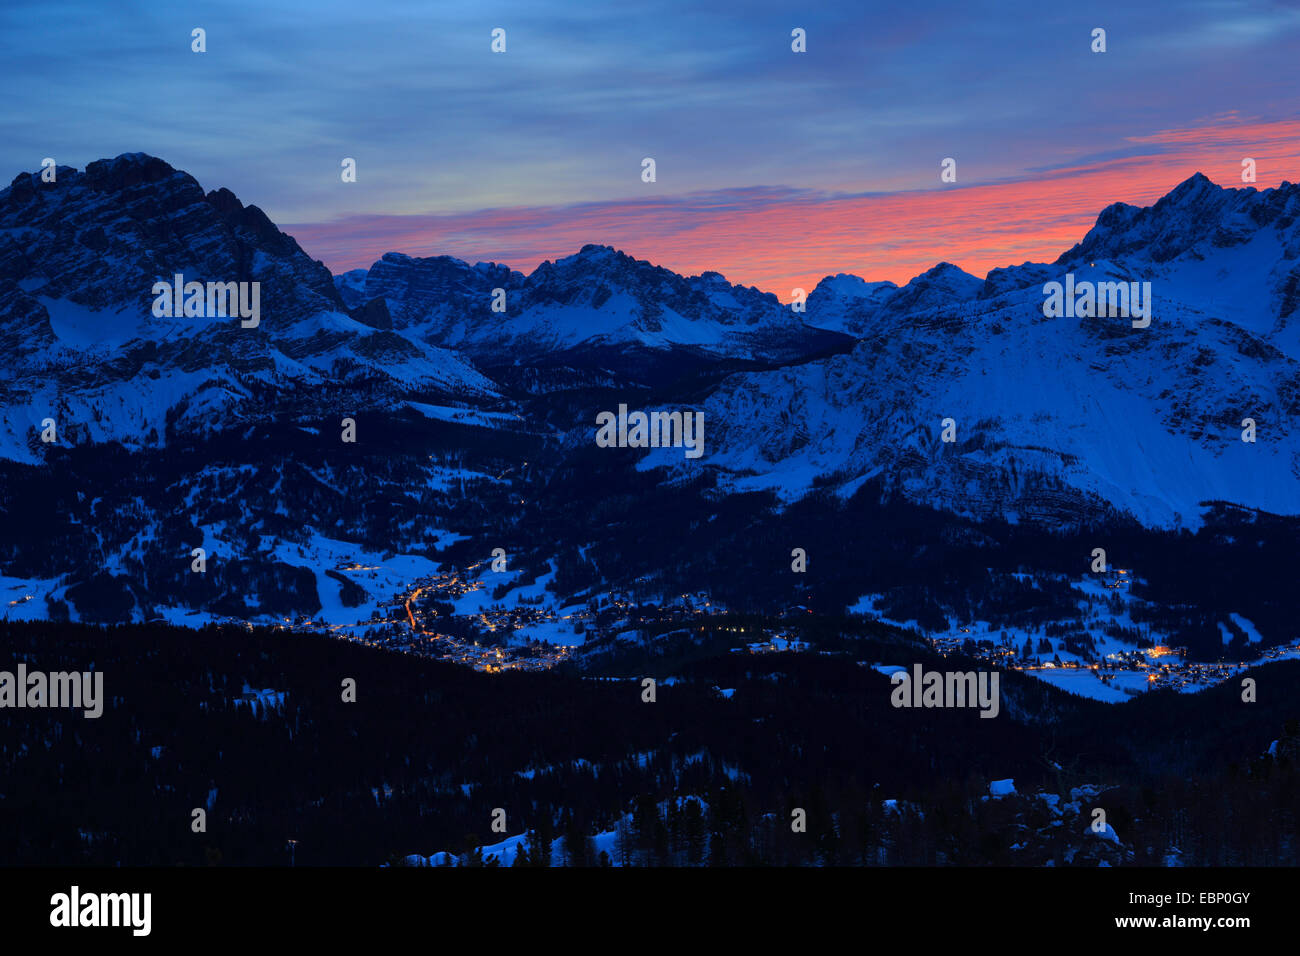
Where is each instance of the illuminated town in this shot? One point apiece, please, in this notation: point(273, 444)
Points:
point(532, 635)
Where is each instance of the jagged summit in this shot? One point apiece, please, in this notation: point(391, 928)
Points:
point(129, 170)
point(79, 260)
point(1194, 215)
point(599, 297)
point(1058, 419)
point(1056, 416)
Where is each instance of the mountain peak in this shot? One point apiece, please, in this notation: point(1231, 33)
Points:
point(945, 277)
point(945, 270)
point(1195, 188)
point(128, 170)
point(596, 254)
point(1196, 179)
point(1195, 212)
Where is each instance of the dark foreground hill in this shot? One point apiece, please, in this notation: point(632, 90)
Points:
point(252, 727)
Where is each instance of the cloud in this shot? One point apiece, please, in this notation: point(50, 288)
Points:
point(550, 135)
point(779, 238)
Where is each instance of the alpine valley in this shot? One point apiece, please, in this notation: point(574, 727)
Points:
point(390, 475)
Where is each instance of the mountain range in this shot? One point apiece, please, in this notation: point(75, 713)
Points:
point(953, 394)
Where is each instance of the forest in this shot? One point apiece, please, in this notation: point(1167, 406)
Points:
point(426, 752)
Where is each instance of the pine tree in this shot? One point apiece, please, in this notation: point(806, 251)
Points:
point(693, 832)
point(539, 852)
point(624, 842)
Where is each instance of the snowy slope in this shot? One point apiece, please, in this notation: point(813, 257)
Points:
point(1055, 415)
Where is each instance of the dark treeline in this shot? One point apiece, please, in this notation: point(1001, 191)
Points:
point(426, 753)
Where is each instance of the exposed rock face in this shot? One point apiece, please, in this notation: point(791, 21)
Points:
point(78, 261)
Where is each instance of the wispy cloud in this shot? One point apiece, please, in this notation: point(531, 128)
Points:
point(781, 238)
point(550, 135)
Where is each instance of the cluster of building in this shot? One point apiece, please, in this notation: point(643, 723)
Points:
point(416, 629)
point(1162, 665)
point(775, 643)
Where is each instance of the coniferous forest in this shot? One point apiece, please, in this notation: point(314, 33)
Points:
point(418, 763)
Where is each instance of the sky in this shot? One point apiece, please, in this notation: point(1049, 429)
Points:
point(773, 167)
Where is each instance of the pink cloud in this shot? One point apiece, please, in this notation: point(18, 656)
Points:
point(778, 238)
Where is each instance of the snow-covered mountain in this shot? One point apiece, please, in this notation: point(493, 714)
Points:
point(1055, 418)
point(478, 426)
point(597, 298)
point(850, 304)
point(78, 261)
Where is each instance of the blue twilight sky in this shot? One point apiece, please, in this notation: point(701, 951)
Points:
point(442, 127)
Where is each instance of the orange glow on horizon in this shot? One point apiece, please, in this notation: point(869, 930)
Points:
point(796, 239)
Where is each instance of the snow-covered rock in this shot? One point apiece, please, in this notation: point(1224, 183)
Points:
point(1055, 418)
